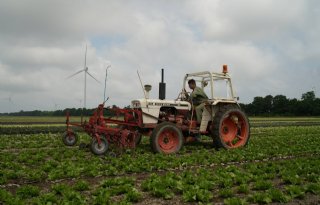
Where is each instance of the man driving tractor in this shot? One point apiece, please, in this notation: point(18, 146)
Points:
point(197, 98)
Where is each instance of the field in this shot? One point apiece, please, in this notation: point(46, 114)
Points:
point(281, 164)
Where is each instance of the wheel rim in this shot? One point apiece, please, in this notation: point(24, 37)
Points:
point(168, 140)
point(70, 138)
point(99, 147)
point(234, 130)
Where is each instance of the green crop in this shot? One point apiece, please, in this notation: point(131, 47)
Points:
point(279, 165)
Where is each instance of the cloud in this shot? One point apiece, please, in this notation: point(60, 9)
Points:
point(271, 47)
point(247, 20)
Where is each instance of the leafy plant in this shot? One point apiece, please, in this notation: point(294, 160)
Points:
point(102, 197)
point(313, 188)
point(28, 191)
point(160, 186)
point(195, 194)
point(7, 198)
point(60, 189)
point(235, 201)
point(73, 197)
point(226, 193)
point(81, 185)
point(262, 185)
point(243, 188)
point(133, 195)
point(261, 198)
point(295, 191)
point(278, 196)
point(48, 198)
point(292, 179)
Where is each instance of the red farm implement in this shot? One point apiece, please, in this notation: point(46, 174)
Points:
point(118, 129)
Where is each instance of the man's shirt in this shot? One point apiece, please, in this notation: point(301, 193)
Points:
point(198, 96)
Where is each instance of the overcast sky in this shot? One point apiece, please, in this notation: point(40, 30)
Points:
point(271, 47)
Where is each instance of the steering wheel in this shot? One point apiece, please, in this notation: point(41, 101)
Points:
point(183, 95)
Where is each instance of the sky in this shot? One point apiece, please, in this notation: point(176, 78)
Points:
point(270, 46)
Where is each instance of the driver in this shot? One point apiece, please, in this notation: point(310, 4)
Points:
point(197, 97)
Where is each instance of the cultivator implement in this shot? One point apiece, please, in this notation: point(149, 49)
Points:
point(117, 129)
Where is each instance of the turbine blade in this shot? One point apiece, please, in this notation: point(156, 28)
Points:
point(75, 73)
point(92, 77)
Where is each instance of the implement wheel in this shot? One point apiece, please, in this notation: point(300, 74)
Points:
point(99, 149)
point(231, 128)
point(69, 138)
point(166, 138)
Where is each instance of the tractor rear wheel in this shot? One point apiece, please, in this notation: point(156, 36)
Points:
point(166, 138)
point(99, 149)
point(69, 138)
point(231, 128)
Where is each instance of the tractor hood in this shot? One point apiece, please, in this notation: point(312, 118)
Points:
point(154, 103)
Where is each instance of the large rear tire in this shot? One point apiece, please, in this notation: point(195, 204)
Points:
point(166, 138)
point(231, 128)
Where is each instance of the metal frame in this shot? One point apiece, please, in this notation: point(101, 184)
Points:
point(100, 126)
point(208, 76)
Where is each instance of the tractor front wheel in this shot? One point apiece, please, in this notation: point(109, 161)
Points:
point(69, 138)
point(99, 149)
point(231, 128)
point(166, 138)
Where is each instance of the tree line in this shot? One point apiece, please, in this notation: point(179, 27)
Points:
point(269, 105)
point(72, 112)
point(280, 105)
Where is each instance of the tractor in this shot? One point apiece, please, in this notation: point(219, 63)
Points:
point(169, 123)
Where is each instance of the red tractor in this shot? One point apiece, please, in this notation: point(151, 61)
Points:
point(170, 122)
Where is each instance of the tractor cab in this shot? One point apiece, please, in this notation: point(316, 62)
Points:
point(217, 86)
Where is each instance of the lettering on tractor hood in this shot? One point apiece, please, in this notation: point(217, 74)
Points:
point(142, 103)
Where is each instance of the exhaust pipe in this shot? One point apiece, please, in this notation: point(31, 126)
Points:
point(162, 87)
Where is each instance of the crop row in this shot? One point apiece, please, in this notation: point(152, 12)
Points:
point(279, 165)
point(268, 182)
point(45, 125)
point(64, 162)
point(33, 129)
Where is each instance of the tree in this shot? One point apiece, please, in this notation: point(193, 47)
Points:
point(308, 103)
point(257, 105)
point(268, 104)
point(280, 105)
point(308, 96)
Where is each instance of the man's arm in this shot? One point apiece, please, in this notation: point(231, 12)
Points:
point(185, 93)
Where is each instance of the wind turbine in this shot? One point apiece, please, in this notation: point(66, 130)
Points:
point(9, 99)
point(85, 70)
point(55, 105)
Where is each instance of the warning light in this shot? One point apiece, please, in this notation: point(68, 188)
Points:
point(224, 69)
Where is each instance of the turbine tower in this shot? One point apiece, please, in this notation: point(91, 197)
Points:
point(85, 70)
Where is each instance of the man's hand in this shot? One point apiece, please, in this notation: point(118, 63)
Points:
point(185, 93)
